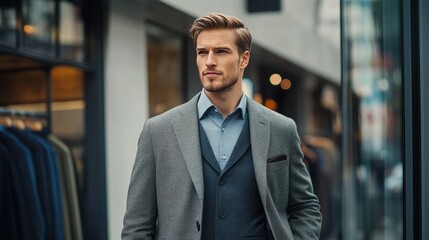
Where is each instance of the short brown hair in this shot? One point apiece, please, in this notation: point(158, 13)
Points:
point(222, 21)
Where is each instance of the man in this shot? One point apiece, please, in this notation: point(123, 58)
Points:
point(220, 166)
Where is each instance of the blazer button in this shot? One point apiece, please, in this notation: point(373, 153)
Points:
point(222, 215)
point(221, 182)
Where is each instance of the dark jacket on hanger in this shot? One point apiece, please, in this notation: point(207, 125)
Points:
point(8, 221)
point(47, 180)
point(29, 213)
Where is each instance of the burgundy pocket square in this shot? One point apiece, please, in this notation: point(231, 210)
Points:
point(277, 158)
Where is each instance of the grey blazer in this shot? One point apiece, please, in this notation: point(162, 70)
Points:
point(165, 196)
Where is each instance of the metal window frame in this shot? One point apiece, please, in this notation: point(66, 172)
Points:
point(416, 115)
point(424, 113)
point(94, 200)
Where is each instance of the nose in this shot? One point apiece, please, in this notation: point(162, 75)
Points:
point(211, 59)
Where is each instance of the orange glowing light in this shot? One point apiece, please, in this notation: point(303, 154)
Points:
point(258, 98)
point(286, 84)
point(28, 29)
point(271, 104)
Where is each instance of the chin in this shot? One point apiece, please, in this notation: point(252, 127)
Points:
point(210, 86)
point(211, 89)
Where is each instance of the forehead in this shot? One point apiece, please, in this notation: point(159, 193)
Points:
point(216, 38)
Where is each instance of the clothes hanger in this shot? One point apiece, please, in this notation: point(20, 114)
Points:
point(34, 124)
point(6, 121)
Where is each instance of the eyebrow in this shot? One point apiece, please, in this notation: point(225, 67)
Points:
point(216, 48)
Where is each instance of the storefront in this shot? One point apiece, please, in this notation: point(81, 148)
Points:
point(51, 74)
point(384, 85)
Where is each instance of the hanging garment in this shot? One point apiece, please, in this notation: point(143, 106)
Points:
point(67, 173)
point(30, 221)
point(47, 180)
point(8, 221)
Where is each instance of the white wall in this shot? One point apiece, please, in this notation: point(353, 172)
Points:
point(291, 33)
point(126, 106)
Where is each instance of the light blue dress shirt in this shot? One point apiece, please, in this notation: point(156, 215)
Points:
point(222, 133)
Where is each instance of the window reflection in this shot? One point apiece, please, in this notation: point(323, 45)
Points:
point(164, 67)
point(39, 26)
point(7, 23)
point(71, 31)
point(373, 180)
point(41, 32)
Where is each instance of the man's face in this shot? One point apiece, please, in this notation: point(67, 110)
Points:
point(219, 64)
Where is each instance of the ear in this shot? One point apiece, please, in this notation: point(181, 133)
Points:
point(245, 58)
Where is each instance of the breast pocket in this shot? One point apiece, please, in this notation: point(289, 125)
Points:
point(281, 167)
point(277, 163)
point(277, 158)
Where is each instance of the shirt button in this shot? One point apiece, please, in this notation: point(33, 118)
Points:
point(223, 129)
point(222, 215)
point(223, 157)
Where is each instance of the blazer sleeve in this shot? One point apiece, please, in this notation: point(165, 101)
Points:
point(305, 218)
point(141, 210)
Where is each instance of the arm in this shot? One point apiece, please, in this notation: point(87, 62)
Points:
point(141, 212)
point(304, 214)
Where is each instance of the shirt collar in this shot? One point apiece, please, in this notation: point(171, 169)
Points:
point(205, 104)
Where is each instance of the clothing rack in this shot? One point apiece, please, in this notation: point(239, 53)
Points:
point(14, 113)
point(22, 114)
point(40, 182)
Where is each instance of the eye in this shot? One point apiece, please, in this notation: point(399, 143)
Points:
point(201, 52)
point(221, 51)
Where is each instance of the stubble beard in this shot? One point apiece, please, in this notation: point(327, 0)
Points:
point(227, 84)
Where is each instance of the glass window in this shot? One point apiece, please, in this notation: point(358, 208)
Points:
point(71, 32)
point(373, 124)
point(48, 30)
point(39, 26)
point(7, 23)
point(165, 54)
point(68, 114)
point(26, 91)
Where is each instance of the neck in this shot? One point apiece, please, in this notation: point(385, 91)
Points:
point(226, 102)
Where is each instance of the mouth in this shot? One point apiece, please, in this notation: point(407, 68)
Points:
point(211, 73)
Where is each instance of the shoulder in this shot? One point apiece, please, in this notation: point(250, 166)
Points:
point(177, 112)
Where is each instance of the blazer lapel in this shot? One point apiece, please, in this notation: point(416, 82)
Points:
point(259, 138)
point(240, 147)
point(187, 135)
point(207, 151)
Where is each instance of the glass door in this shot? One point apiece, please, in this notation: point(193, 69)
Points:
point(373, 119)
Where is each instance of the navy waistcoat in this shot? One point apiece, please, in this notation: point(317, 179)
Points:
point(232, 205)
